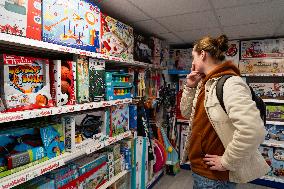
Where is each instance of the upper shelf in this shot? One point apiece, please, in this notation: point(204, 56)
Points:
point(31, 44)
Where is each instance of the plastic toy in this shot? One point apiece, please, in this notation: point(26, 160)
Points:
point(21, 18)
point(25, 84)
point(63, 82)
point(274, 113)
point(233, 52)
point(268, 90)
point(82, 80)
point(97, 79)
point(261, 66)
point(117, 38)
point(74, 23)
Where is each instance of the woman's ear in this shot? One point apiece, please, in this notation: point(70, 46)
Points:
point(203, 55)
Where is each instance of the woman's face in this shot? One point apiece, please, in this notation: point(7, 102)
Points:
point(198, 62)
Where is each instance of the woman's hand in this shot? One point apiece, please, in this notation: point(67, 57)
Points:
point(193, 79)
point(214, 162)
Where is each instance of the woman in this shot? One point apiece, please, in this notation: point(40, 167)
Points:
point(222, 147)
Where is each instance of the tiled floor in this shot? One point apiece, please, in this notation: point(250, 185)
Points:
point(184, 181)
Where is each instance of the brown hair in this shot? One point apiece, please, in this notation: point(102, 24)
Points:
point(215, 47)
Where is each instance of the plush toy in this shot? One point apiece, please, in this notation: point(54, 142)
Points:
point(65, 85)
point(65, 71)
point(161, 156)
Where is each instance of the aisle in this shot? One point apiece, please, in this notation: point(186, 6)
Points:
point(184, 181)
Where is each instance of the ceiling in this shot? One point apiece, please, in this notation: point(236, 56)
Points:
point(184, 21)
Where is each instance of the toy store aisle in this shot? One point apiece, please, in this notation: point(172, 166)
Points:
point(183, 180)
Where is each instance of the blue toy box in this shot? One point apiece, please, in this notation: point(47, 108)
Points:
point(133, 117)
point(274, 132)
point(73, 23)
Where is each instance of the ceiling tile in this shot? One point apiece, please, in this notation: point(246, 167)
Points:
point(150, 26)
point(232, 3)
point(264, 12)
point(122, 10)
point(170, 38)
point(251, 30)
point(193, 35)
point(161, 8)
point(190, 21)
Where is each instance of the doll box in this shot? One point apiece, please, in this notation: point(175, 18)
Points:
point(117, 38)
point(25, 82)
point(72, 23)
point(22, 18)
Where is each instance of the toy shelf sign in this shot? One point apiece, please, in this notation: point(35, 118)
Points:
point(74, 23)
point(268, 48)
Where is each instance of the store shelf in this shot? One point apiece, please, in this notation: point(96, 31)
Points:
point(21, 115)
point(113, 180)
point(274, 179)
point(263, 75)
point(273, 101)
point(26, 43)
point(155, 179)
point(178, 72)
point(49, 165)
point(274, 122)
point(273, 143)
point(182, 121)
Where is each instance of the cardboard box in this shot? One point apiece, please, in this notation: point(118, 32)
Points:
point(83, 90)
point(72, 23)
point(97, 79)
point(22, 18)
point(119, 117)
point(275, 113)
point(264, 66)
point(233, 52)
point(268, 90)
point(25, 83)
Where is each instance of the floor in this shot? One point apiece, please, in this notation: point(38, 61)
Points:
point(184, 181)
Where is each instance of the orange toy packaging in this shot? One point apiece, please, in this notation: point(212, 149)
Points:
point(63, 82)
point(21, 17)
point(25, 83)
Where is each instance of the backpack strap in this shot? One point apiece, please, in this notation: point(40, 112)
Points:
point(220, 91)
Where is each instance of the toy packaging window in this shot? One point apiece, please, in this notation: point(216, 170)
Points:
point(74, 23)
point(22, 18)
point(117, 38)
point(25, 82)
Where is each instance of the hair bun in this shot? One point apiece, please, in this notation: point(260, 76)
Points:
point(222, 43)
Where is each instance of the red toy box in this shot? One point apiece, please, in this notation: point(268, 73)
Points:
point(25, 82)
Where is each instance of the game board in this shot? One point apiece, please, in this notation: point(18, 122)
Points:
point(25, 82)
point(117, 38)
point(74, 23)
point(21, 18)
point(268, 90)
point(264, 66)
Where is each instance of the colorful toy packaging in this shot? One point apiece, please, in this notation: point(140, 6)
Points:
point(119, 119)
point(180, 59)
point(63, 82)
point(117, 38)
point(142, 51)
point(264, 66)
point(133, 117)
point(21, 18)
point(233, 52)
point(25, 82)
point(268, 48)
point(97, 79)
point(268, 90)
point(82, 80)
point(274, 113)
point(74, 23)
point(274, 132)
point(165, 54)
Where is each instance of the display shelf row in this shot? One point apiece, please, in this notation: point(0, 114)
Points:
point(113, 180)
point(273, 179)
point(49, 165)
point(274, 122)
point(273, 143)
point(273, 101)
point(21, 42)
point(21, 115)
point(263, 74)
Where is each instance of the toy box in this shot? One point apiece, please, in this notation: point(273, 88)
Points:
point(97, 79)
point(133, 117)
point(115, 150)
point(141, 173)
point(117, 38)
point(25, 82)
point(117, 167)
point(268, 90)
point(165, 54)
point(278, 162)
point(38, 183)
point(180, 59)
point(82, 80)
point(156, 46)
point(119, 119)
point(263, 66)
point(267, 153)
point(142, 50)
point(22, 18)
point(274, 132)
point(275, 113)
point(63, 82)
point(233, 52)
point(74, 23)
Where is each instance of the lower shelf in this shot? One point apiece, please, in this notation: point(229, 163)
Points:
point(269, 181)
point(113, 180)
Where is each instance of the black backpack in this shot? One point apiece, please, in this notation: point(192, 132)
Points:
point(259, 102)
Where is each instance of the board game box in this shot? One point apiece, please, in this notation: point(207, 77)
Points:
point(275, 113)
point(97, 79)
point(268, 90)
point(83, 83)
point(261, 66)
